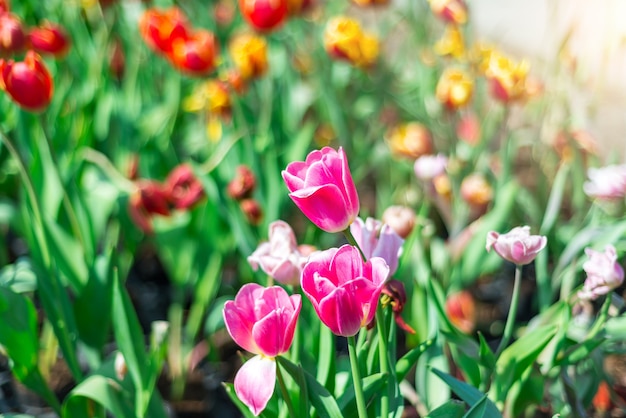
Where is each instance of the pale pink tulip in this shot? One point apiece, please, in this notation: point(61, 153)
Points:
point(280, 257)
point(343, 289)
point(604, 273)
point(378, 240)
point(323, 189)
point(606, 183)
point(517, 245)
point(427, 167)
point(262, 321)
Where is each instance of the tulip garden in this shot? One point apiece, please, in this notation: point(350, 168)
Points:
point(299, 208)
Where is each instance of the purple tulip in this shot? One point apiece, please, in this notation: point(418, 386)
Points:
point(378, 240)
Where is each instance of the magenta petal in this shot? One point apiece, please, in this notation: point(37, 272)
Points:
point(324, 206)
point(347, 264)
point(340, 312)
point(255, 381)
point(239, 327)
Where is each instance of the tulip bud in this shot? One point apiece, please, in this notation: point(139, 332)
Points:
point(243, 184)
point(249, 55)
point(196, 54)
point(120, 366)
point(12, 37)
point(517, 245)
point(49, 38)
point(460, 308)
point(160, 29)
point(410, 140)
point(394, 294)
point(451, 11)
point(252, 209)
point(401, 219)
point(264, 15)
point(427, 167)
point(476, 191)
point(455, 88)
point(28, 82)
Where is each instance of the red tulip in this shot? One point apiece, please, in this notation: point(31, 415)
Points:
point(28, 82)
point(264, 15)
point(160, 29)
point(12, 37)
point(49, 39)
point(195, 54)
point(182, 187)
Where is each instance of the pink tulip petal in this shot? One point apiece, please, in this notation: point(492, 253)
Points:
point(347, 264)
point(273, 334)
point(323, 206)
point(239, 327)
point(348, 182)
point(254, 383)
point(246, 297)
point(340, 312)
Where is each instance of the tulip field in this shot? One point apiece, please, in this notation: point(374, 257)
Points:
point(299, 208)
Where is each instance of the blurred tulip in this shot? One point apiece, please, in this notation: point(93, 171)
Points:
point(378, 240)
point(49, 38)
point(280, 257)
point(427, 167)
point(263, 322)
point(517, 245)
point(12, 36)
point(460, 309)
point(410, 140)
point(183, 188)
point(507, 79)
point(252, 210)
point(195, 54)
point(604, 273)
point(455, 88)
point(323, 189)
point(345, 40)
point(606, 183)
point(5, 6)
point(365, 3)
point(451, 43)
point(394, 294)
point(243, 184)
point(150, 198)
point(442, 185)
point(476, 191)
point(28, 82)
point(468, 129)
point(451, 11)
point(224, 12)
point(264, 15)
point(212, 96)
point(343, 289)
point(295, 7)
point(249, 55)
point(401, 219)
point(159, 29)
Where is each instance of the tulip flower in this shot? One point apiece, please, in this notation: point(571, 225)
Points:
point(150, 199)
point(12, 37)
point(196, 54)
point(323, 189)
point(460, 309)
point(249, 55)
point(476, 191)
point(455, 88)
point(252, 210)
point(280, 257)
point(49, 38)
point(604, 273)
point(243, 184)
point(451, 11)
point(261, 321)
point(517, 245)
point(182, 187)
point(606, 183)
point(378, 240)
point(401, 219)
point(394, 294)
point(507, 79)
point(159, 29)
point(410, 140)
point(264, 15)
point(28, 82)
point(451, 43)
point(343, 289)
point(427, 167)
point(345, 40)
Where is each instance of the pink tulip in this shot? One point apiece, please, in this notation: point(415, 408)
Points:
point(262, 321)
point(517, 245)
point(343, 289)
point(603, 273)
point(280, 258)
point(606, 183)
point(378, 240)
point(427, 167)
point(323, 189)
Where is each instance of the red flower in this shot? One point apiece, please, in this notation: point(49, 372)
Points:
point(150, 198)
point(182, 188)
point(28, 82)
point(49, 38)
point(195, 54)
point(12, 37)
point(264, 15)
point(161, 29)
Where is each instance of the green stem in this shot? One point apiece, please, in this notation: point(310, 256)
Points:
point(284, 392)
point(602, 316)
point(352, 241)
point(356, 378)
point(383, 357)
point(175, 345)
point(510, 320)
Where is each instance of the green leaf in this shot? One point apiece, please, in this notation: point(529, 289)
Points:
point(372, 385)
point(320, 398)
point(404, 364)
point(468, 393)
point(450, 409)
point(100, 389)
point(478, 409)
point(230, 391)
point(487, 358)
point(19, 276)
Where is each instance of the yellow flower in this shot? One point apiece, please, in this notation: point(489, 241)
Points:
point(451, 11)
point(455, 88)
point(507, 78)
point(410, 140)
point(212, 96)
point(451, 43)
point(249, 55)
point(344, 39)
